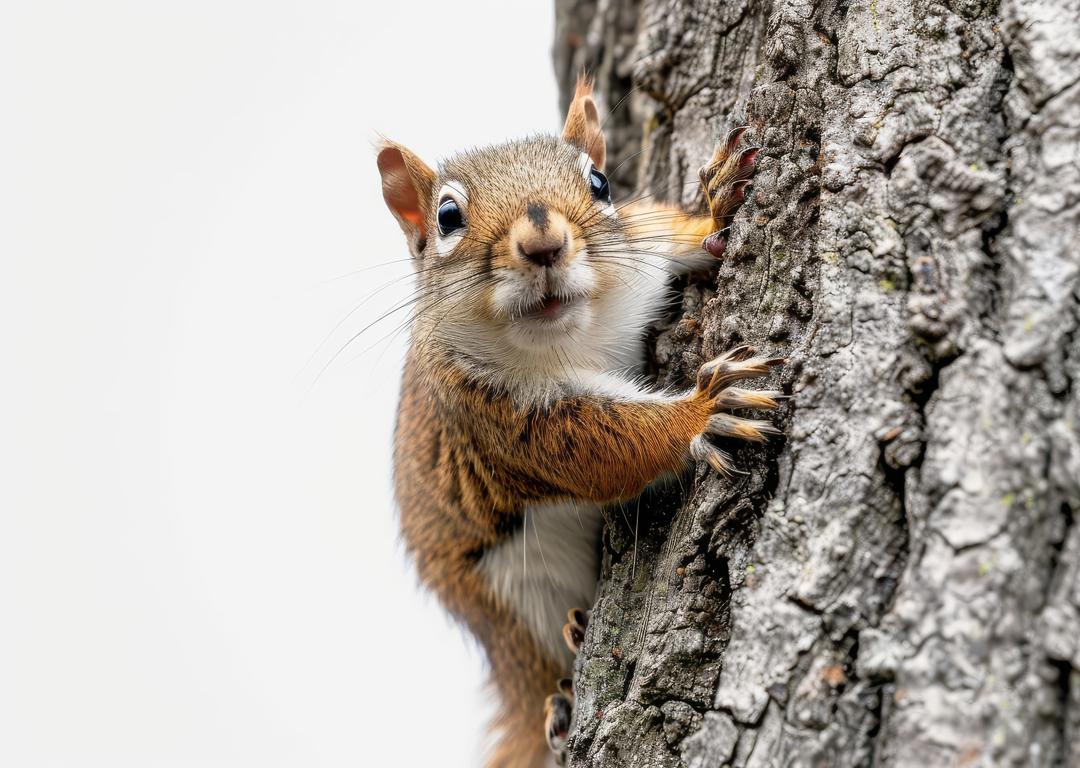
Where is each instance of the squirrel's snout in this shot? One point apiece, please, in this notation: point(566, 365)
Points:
point(541, 254)
point(541, 237)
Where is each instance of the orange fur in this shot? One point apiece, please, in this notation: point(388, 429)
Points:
point(645, 218)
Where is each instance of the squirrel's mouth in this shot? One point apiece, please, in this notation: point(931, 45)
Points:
point(550, 308)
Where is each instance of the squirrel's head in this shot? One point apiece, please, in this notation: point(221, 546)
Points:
point(509, 241)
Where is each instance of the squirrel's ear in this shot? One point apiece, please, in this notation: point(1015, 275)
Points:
point(583, 124)
point(407, 187)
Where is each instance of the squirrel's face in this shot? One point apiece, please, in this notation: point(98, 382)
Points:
point(510, 236)
point(509, 239)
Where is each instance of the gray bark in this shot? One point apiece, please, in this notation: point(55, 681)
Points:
point(897, 582)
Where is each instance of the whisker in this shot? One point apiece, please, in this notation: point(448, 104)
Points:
point(403, 305)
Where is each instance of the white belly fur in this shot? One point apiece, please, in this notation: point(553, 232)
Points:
point(549, 566)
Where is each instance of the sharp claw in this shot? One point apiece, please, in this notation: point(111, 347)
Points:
point(721, 462)
point(574, 636)
point(748, 158)
point(566, 687)
point(734, 135)
point(714, 381)
point(765, 400)
point(720, 374)
point(557, 716)
point(739, 353)
point(715, 244)
point(752, 430)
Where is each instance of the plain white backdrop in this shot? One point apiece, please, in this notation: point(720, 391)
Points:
point(198, 553)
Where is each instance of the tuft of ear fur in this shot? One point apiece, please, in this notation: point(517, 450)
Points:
point(582, 126)
point(408, 186)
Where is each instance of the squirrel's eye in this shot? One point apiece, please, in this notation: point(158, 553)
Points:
point(598, 183)
point(449, 217)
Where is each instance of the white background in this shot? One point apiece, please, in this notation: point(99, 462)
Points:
point(198, 554)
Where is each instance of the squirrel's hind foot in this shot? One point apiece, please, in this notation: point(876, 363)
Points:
point(559, 707)
point(573, 630)
point(558, 713)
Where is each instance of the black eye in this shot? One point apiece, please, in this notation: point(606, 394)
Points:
point(449, 217)
point(598, 182)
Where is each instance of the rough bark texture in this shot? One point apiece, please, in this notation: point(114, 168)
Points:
point(898, 581)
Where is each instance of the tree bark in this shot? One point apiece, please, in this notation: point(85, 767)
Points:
point(897, 582)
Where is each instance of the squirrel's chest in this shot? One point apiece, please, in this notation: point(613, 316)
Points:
point(548, 566)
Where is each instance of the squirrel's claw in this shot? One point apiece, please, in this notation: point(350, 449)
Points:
point(574, 630)
point(715, 244)
point(734, 136)
point(721, 461)
point(751, 430)
point(725, 182)
point(558, 712)
point(566, 687)
point(714, 382)
point(762, 399)
point(735, 365)
point(559, 707)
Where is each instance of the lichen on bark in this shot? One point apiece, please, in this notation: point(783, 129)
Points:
point(897, 581)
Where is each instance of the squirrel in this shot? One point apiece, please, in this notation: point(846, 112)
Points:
point(522, 411)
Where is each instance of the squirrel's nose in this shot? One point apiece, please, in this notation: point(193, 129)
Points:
point(543, 255)
point(542, 236)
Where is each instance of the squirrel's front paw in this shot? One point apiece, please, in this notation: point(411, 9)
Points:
point(725, 181)
point(714, 382)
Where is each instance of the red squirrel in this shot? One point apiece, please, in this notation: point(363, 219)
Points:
point(522, 410)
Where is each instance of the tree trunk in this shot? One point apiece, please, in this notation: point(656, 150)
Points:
point(897, 581)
